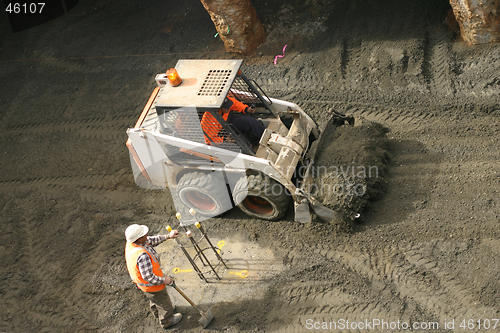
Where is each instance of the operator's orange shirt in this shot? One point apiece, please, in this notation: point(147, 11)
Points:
point(211, 126)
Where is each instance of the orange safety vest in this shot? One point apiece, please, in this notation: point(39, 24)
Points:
point(132, 252)
point(211, 126)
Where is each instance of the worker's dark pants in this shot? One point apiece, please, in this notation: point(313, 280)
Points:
point(245, 123)
point(161, 306)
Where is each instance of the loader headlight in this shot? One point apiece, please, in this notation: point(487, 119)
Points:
point(173, 77)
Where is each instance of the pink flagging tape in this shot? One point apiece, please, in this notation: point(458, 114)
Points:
point(279, 56)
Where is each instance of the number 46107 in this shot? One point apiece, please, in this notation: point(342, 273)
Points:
point(25, 8)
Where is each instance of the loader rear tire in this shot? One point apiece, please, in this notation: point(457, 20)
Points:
point(207, 194)
point(262, 197)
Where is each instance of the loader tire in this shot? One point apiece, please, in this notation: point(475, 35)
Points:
point(207, 194)
point(262, 197)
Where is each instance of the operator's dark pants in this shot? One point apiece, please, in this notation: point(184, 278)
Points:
point(161, 306)
point(247, 124)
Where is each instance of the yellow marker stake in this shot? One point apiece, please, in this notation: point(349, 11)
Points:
point(220, 244)
point(243, 274)
point(178, 270)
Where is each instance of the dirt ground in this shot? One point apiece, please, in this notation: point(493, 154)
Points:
point(426, 251)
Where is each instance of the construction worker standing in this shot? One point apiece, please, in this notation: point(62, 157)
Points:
point(143, 264)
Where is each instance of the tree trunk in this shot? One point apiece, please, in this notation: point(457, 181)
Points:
point(479, 20)
point(237, 24)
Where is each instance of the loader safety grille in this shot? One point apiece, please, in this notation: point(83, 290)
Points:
point(214, 83)
point(196, 126)
point(241, 91)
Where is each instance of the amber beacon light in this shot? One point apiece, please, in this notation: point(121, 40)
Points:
point(173, 77)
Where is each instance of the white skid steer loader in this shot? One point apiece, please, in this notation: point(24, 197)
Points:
point(171, 146)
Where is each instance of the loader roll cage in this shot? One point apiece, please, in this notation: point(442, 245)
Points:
point(184, 122)
point(249, 92)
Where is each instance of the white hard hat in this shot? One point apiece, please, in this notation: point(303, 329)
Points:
point(135, 231)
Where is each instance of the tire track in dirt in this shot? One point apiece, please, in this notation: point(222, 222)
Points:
point(41, 269)
point(89, 129)
point(386, 115)
point(412, 276)
point(392, 118)
point(343, 292)
point(45, 59)
point(52, 187)
point(116, 190)
point(404, 270)
point(343, 58)
point(437, 66)
point(323, 298)
point(351, 63)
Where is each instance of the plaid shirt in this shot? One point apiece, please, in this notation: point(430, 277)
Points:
point(144, 262)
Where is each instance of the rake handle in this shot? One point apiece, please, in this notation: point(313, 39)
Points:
point(184, 295)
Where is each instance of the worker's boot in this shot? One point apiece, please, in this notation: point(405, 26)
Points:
point(176, 319)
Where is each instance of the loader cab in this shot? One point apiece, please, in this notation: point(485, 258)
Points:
point(206, 84)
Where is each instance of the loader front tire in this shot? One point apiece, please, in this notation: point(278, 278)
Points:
point(207, 194)
point(261, 197)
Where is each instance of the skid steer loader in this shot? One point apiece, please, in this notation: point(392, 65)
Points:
point(169, 147)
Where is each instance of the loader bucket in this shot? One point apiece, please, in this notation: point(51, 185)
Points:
point(307, 201)
point(324, 213)
point(302, 212)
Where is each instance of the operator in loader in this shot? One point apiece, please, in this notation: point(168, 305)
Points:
point(143, 264)
point(243, 121)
